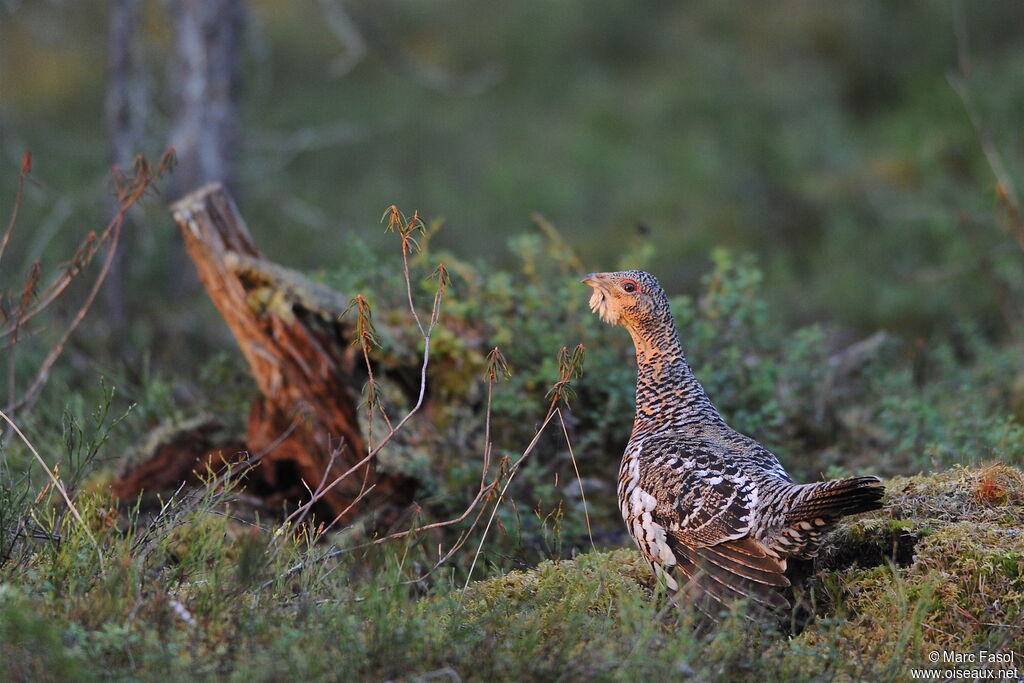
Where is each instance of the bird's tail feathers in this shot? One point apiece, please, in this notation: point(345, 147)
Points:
point(834, 499)
point(720, 575)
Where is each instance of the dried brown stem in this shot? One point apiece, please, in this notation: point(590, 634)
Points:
point(395, 220)
point(129, 195)
point(511, 475)
point(579, 479)
point(960, 82)
point(26, 168)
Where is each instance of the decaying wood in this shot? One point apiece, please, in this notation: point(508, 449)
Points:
point(300, 354)
point(178, 452)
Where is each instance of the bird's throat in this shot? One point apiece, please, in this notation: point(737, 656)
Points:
point(668, 395)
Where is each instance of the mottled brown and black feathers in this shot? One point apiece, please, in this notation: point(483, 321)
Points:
point(735, 570)
point(837, 499)
point(713, 512)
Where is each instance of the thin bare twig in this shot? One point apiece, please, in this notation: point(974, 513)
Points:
point(960, 82)
point(575, 467)
point(496, 368)
point(335, 452)
point(347, 33)
point(43, 373)
point(405, 228)
point(363, 492)
point(501, 496)
point(570, 367)
point(129, 196)
point(26, 168)
point(1005, 186)
point(385, 539)
point(59, 486)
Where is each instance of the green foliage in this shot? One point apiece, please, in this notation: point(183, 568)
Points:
point(959, 416)
point(192, 590)
point(83, 443)
point(665, 130)
point(15, 504)
point(736, 351)
point(191, 594)
point(813, 136)
point(32, 646)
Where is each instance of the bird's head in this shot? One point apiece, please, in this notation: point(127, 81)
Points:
point(631, 298)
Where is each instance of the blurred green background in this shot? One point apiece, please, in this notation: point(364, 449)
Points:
point(800, 175)
point(824, 137)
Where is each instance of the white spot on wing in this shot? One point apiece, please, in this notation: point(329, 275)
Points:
point(641, 501)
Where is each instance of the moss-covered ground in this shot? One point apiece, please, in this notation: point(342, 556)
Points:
point(197, 595)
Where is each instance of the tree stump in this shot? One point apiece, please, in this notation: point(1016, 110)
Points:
point(299, 352)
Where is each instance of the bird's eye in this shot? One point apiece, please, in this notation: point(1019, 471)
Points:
point(629, 286)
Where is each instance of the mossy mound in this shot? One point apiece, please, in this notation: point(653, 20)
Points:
point(953, 579)
point(940, 567)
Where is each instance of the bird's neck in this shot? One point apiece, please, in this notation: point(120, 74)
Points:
point(668, 395)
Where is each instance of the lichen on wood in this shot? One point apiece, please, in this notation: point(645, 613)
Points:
point(303, 428)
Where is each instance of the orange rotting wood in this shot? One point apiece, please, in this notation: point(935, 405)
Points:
point(298, 351)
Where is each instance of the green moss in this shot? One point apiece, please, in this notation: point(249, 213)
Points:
point(938, 568)
point(32, 647)
point(955, 583)
point(961, 582)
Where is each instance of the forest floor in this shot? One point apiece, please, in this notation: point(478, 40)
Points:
point(194, 594)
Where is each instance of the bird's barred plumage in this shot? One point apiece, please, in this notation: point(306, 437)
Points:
point(713, 512)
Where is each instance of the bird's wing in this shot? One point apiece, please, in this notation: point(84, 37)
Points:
point(706, 505)
point(703, 498)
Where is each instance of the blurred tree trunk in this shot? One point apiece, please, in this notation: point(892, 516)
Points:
point(126, 113)
point(206, 77)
